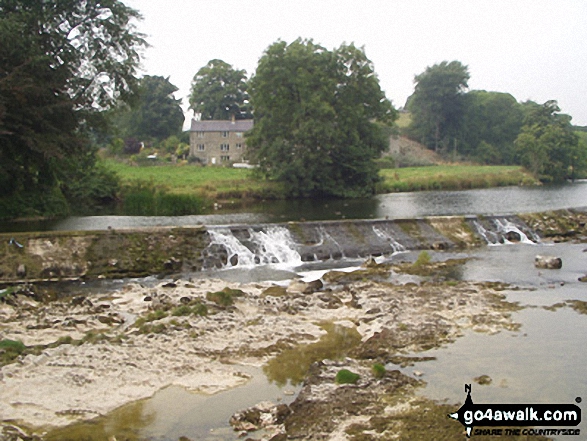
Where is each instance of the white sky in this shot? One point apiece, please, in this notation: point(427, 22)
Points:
point(533, 49)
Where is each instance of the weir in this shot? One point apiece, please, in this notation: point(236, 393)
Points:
point(141, 252)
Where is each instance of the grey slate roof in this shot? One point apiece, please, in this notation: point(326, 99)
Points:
point(241, 125)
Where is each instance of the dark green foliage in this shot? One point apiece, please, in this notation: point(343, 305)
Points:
point(547, 145)
point(344, 376)
point(438, 105)
point(491, 123)
point(315, 119)
point(154, 116)
point(219, 92)
point(10, 350)
point(145, 199)
point(66, 62)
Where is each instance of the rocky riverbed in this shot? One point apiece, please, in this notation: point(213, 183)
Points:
point(82, 356)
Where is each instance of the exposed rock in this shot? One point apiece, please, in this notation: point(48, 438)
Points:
point(513, 236)
point(262, 415)
point(548, 262)
point(21, 270)
point(483, 380)
point(301, 287)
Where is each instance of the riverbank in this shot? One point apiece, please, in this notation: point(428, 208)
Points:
point(91, 354)
point(78, 356)
point(221, 185)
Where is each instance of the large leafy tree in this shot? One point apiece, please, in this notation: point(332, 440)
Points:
point(219, 91)
point(547, 145)
point(491, 123)
point(155, 115)
point(319, 119)
point(61, 64)
point(437, 104)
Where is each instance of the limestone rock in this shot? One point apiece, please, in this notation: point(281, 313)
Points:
point(548, 262)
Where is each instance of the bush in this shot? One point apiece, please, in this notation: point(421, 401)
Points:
point(422, 260)
point(224, 297)
point(344, 376)
point(10, 350)
point(378, 370)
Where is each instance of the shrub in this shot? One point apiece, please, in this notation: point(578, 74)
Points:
point(181, 310)
point(422, 260)
point(10, 350)
point(378, 370)
point(344, 376)
point(224, 297)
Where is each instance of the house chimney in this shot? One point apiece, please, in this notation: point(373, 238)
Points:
point(232, 118)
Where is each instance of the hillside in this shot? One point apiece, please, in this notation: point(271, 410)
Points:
point(408, 153)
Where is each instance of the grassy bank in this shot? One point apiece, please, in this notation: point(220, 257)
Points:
point(185, 189)
point(187, 186)
point(452, 177)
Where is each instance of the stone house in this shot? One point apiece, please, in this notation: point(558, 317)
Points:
point(217, 142)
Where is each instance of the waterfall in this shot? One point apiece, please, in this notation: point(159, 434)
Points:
point(326, 237)
point(272, 246)
point(490, 237)
point(505, 226)
point(395, 245)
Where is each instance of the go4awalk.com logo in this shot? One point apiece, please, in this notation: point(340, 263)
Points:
point(506, 419)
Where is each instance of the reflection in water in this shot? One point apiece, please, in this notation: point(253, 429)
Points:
point(125, 423)
point(505, 200)
point(174, 412)
point(293, 364)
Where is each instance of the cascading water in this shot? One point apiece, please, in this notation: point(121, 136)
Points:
point(505, 226)
point(490, 237)
point(395, 245)
point(271, 246)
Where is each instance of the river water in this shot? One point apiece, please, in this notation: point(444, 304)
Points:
point(543, 362)
point(504, 200)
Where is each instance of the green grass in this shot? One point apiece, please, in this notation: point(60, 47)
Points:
point(452, 177)
point(187, 188)
point(209, 182)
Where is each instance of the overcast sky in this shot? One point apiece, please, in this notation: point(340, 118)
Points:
point(533, 49)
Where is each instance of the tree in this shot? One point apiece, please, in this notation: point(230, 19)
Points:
point(319, 118)
point(156, 114)
point(491, 123)
point(547, 145)
point(219, 92)
point(66, 62)
point(437, 104)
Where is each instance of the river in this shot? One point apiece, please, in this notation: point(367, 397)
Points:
point(502, 200)
point(541, 362)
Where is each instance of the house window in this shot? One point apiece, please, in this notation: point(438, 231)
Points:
point(200, 134)
point(224, 158)
point(201, 147)
point(239, 146)
point(225, 134)
point(224, 147)
point(239, 134)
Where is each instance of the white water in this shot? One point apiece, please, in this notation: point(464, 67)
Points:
point(395, 245)
point(273, 246)
point(504, 226)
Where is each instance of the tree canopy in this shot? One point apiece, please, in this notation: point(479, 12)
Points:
point(491, 123)
point(155, 114)
point(437, 104)
point(546, 144)
point(219, 91)
point(319, 119)
point(67, 61)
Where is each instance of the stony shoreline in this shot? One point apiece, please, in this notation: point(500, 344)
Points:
point(86, 356)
